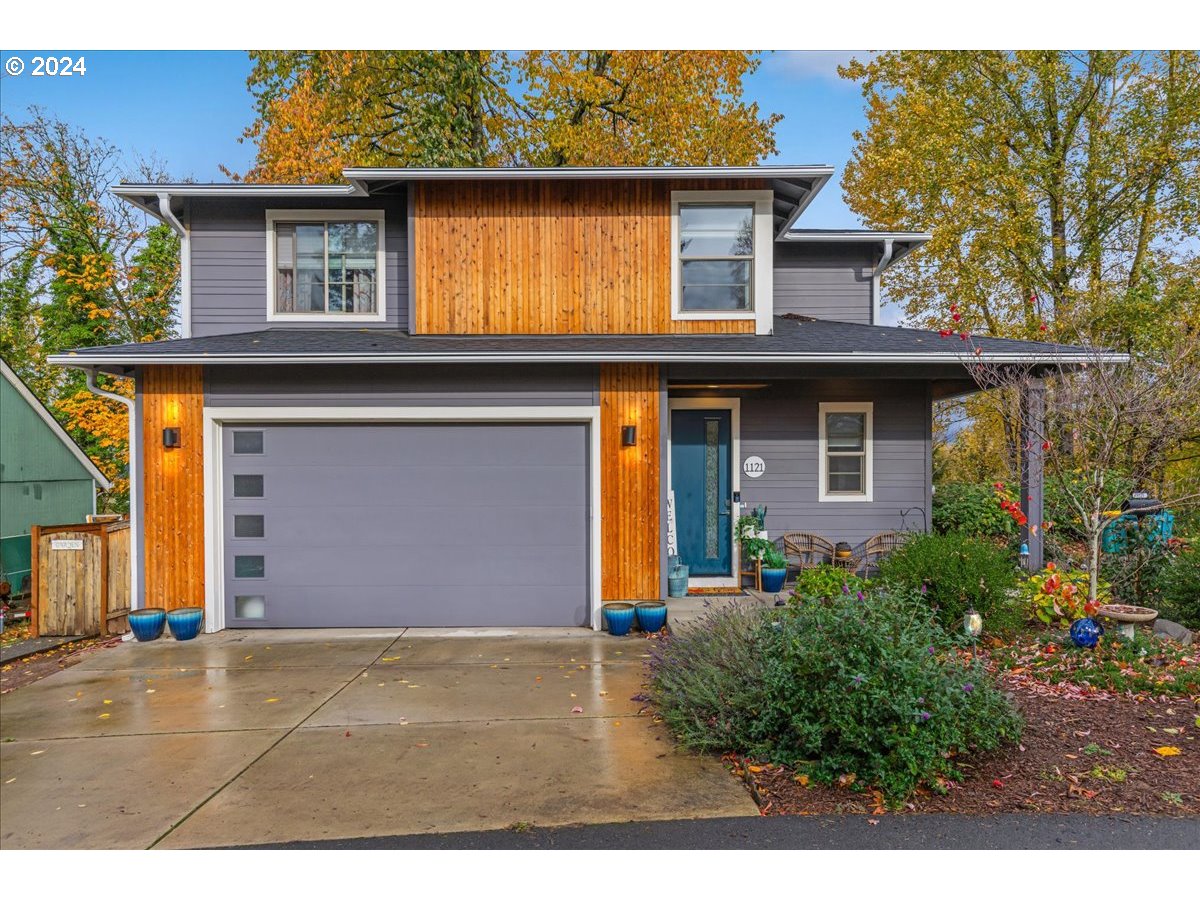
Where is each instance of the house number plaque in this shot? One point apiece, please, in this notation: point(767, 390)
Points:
point(753, 466)
point(66, 543)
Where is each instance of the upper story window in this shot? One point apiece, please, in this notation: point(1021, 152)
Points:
point(846, 463)
point(716, 257)
point(722, 256)
point(325, 265)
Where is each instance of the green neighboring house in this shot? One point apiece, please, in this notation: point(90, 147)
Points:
point(45, 477)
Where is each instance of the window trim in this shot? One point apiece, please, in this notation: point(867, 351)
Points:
point(762, 277)
point(329, 215)
point(823, 494)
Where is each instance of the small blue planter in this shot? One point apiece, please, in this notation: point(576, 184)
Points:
point(148, 624)
point(651, 615)
point(772, 580)
point(1086, 633)
point(619, 617)
point(186, 622)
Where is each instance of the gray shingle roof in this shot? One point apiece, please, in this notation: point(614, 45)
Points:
point(795, 340)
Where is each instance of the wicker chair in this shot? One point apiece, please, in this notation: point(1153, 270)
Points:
point(874, 549)
point(804, 550)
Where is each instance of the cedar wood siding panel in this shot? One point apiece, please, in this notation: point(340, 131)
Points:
point(550, 257)
point(630, 513)
point(229, 261)
point(825, 280)
point(173, 486)
point(780, 423)
point(383, 385)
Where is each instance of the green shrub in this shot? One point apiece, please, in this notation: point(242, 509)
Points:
point(826, 582)
point(1179, 589)
point(970, 509)
point(873, 687)
point(957, 572)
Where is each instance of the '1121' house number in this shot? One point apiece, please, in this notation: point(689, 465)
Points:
point(753, 466)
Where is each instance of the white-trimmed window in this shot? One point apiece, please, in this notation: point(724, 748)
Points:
point(721, 257)
point(846, 451)
point(325, 265)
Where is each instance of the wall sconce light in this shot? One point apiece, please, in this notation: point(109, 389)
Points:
point(170, 437)
point(628, 435)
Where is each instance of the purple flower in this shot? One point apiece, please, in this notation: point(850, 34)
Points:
point(924, 588)
point(968, 687)
point(857, 680)
point(860, 596)
point(845, 588)
point(924, 716)
point(920, 701)
point(931, 649)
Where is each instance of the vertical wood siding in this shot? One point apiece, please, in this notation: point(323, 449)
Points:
point(629, 480)
point(549, 257)
point(173, 485)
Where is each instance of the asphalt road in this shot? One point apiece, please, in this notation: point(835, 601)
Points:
point(909, 832)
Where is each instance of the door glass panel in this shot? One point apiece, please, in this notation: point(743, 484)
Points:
point(247, 485)
point(249, 526)
point(247, 442)
point(249, 567)
point(250, 607)
point(712, 488)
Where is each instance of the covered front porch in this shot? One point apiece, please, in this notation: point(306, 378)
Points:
point(832, 456)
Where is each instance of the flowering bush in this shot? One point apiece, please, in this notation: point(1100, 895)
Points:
point(1062, 597)
point(869, 687)
point(970, 509)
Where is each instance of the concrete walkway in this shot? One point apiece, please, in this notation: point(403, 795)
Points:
point(276, 736)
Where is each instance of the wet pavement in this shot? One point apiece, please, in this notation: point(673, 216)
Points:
point(255, 737)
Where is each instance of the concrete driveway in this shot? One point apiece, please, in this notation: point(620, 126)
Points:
point(264, 737)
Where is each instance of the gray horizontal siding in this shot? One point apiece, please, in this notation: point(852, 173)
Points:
point(780, 424)
point(825, 281)
point(229, 261)
point(382, 385)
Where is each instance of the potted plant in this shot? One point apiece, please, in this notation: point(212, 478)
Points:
point(752, 537)
point(774, 570)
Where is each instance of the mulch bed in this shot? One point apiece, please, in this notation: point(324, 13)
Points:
point(37, 666)
point(1095, 756)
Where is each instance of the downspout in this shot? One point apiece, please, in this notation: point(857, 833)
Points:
point(185, 263)
point(883, 264)
point(135, 491)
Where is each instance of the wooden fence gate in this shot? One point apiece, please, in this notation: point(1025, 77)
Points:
point(80, 579)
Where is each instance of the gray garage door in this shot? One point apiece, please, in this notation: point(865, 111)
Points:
point(398, 525)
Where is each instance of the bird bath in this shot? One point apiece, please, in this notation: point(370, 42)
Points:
point(1128, 616)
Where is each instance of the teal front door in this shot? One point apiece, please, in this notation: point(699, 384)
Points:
point(701, 477)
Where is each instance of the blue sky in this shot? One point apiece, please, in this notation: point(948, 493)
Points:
point(188, 108)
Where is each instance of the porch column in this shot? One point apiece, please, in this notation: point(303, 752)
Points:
point(1033, 434)
point(630, 543)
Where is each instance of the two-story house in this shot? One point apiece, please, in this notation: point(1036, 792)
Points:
point(463, 396)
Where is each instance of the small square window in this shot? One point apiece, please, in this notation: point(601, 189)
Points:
point(246, 443)
point(247, 485)
point(252, 606)
point(249, 567)
point(249, 526)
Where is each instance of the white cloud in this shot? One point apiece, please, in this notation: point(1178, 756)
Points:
point(815, 63)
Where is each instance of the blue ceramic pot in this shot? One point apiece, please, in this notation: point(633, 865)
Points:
point(1086, 633)
point(186, 622)
point(651, 615)
point(772, 580)
point(147, 624)
point(619, 617)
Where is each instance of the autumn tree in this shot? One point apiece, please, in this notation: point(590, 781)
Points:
point(78, 268)
point(1053, 181)
point(320, 111)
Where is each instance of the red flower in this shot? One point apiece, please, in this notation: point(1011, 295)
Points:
point(1042, 327)
point(945, 332)
point(957, 317)
point(963, 336)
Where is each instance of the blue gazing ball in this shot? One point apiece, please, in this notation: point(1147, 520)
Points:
point(1086, 632)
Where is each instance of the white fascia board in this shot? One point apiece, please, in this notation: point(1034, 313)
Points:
point(865, 236)
point(584, 172)
point(543, 357)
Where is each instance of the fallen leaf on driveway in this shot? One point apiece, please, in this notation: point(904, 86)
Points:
point(872, 821)
point(108, 703)
point(149, 690)
point(11, 780)
point(105, 715)
point(576, 709)
point(37, 752)
point(271, 700)
point(1167, 751)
